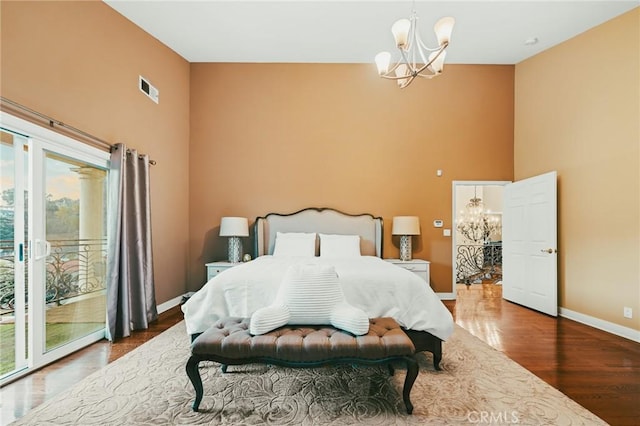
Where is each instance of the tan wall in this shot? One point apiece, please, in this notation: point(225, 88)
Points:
point(576, 111)
point(79, 63)
point(281, 137)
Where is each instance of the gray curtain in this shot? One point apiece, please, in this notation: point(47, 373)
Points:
point(131, 303)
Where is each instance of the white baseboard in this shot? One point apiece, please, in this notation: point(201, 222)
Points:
point(446, 296)
point(609, 327)
point(163, 307)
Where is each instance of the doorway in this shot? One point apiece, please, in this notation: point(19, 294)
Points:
point(477, 233)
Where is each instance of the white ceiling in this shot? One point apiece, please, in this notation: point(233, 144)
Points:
point(338, 31)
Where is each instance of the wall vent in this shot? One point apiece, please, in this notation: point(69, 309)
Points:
point(146, 88)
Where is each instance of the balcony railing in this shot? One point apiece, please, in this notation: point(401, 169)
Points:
point(477, 261)
point(73, 268)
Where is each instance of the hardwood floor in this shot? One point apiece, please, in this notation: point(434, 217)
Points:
point(598, 370)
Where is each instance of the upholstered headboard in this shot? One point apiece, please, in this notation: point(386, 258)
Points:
point(320, 220)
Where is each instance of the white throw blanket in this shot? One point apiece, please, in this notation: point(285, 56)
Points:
point(379, 288)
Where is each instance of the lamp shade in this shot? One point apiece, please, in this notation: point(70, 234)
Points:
point(383, 59)
point(406, 225)
point(234, 227)
point(400, 30)
point(443, 29)
point(438, 63)
point(401, 71)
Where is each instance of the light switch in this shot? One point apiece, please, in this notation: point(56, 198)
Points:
point(446, 232)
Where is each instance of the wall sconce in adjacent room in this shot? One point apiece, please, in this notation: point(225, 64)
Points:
point(405, 226)
point(234, 228)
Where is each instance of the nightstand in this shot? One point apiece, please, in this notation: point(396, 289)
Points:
point(214, 268)
point(417, 266)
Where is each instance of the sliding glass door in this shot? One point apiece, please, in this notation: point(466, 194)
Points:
point(53, 269)
point(13, 252)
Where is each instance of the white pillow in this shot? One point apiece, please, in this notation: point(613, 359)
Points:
point(339, 245)
point(310, 294)
point(295, 244)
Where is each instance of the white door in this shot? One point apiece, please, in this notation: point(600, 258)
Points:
point(529, 243)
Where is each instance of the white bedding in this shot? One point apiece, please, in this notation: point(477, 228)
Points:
point(379, 288)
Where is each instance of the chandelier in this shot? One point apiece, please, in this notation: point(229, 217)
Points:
point(416, 59)
point(476, 224)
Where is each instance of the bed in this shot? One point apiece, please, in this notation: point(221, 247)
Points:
point(379, 288)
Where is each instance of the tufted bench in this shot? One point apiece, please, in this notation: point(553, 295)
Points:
point(229, 342)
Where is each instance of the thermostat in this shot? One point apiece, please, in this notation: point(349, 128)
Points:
point(437, 223)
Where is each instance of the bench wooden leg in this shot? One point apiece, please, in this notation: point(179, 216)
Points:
point(391, 369)
point(196, 380)
point(437, 357)
point(410, 378)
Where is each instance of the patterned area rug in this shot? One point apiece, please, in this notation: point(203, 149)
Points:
point(478, 385)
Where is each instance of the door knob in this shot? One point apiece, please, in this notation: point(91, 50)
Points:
point(549, 250)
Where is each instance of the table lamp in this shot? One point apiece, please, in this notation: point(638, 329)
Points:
point(405, 226)
point(234, 228)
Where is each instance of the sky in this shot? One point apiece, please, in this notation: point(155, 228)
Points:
point(61, 181)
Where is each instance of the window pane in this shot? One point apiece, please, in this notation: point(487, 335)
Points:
point(13, 253)
point(75, 215)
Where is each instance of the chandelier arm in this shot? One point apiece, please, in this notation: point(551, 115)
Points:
point(389, 75)
point(410, 47)
point(419, 71)
point(433, 49)
point(406, 61)
point(407, 81)
point(402, 77)
point(424, 67)
point(427, 76)
point(419, 46)
point(393, 77)
point(424, 58)
point(391, 72)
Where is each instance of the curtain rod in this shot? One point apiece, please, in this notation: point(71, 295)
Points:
point(53, 122)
